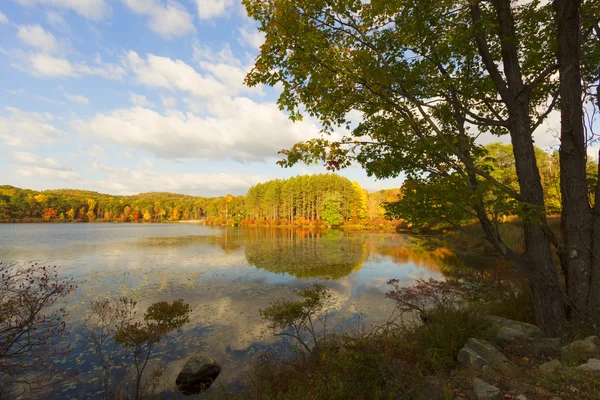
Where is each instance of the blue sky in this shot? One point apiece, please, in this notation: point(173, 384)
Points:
point(128, 96)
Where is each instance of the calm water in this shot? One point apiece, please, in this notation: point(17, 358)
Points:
point(226, 275)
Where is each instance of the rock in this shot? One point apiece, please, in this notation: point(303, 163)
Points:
point(579, 349)
point(508, 330)
point(478, 354)
point(198, 373)
point(546, 347)
point(550, 367)
point(485, 391)
point(521, 397)
point(593, 365)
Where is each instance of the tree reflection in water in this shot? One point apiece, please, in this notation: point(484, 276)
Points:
point(306, 253)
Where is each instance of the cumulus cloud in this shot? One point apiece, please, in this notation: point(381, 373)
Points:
point(3, 18)
point(36, 36)
point(47, 174)
point(163, 72)
point(91, 9)
point(127, 181)
point(169, 20)
point(24, 129)
point(209, 9)
point(219, 73)
point(77, 98)
point(46, 65)
point(139, 100)
point(34, 160)
point(238, 129)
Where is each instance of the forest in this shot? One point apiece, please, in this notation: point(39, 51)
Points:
point(327, 197)
point(302, 198)
point(67, 205)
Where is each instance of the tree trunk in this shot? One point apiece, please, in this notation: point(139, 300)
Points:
point(538, 264)
point(576, 216)
point(548, 300)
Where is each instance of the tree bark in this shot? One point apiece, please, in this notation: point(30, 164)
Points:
point(538, 263)
point(577, 222)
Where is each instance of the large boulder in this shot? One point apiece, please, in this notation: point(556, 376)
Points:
point(485, 391)
point(580, 349)
point(196, 376)
point(478, 354)
point(507, 330)
point(593, 365)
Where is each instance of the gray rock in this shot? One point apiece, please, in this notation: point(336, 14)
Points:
point(508, 330)
point(521, 397)
point(580, 349)
point(478, 354)
point(550, 367)
point(593, 365)
point(485, 391)
point(546, 347)
point(198, 373)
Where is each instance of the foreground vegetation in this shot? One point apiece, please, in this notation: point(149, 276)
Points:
point(414, 355)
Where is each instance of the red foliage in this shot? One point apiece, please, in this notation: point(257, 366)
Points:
point(31, 325)
point(424, 295)
point(49, 214)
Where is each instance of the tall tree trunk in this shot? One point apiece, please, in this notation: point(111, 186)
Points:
point(576, 218)
point(538, 263)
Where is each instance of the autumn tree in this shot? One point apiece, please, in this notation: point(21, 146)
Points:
point(428, 78)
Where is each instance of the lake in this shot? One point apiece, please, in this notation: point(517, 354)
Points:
point(227, 275)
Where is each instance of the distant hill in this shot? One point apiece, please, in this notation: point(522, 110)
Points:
point(26, 205)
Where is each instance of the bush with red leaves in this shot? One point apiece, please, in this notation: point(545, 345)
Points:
point(425, 295)
point(32, 323)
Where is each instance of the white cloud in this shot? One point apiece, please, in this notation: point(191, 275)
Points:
point(3, 18)
point(208, 9)
point(36, 36)
point(139, 100)
point(238, 129)
point(56, 20)
point(46, 65)
point(164, 72)
point(31, 159)
point(23, 129)
point(48, 174)
point(169, 101)
point(77, 98)
point(252, 36)
point(170, 20)
point(220, 73)
point(125, 181)
point(91, 9)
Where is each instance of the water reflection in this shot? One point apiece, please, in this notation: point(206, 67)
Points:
point(225, 275)
point(306, 253)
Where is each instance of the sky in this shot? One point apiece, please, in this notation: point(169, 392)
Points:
point(130, 96)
